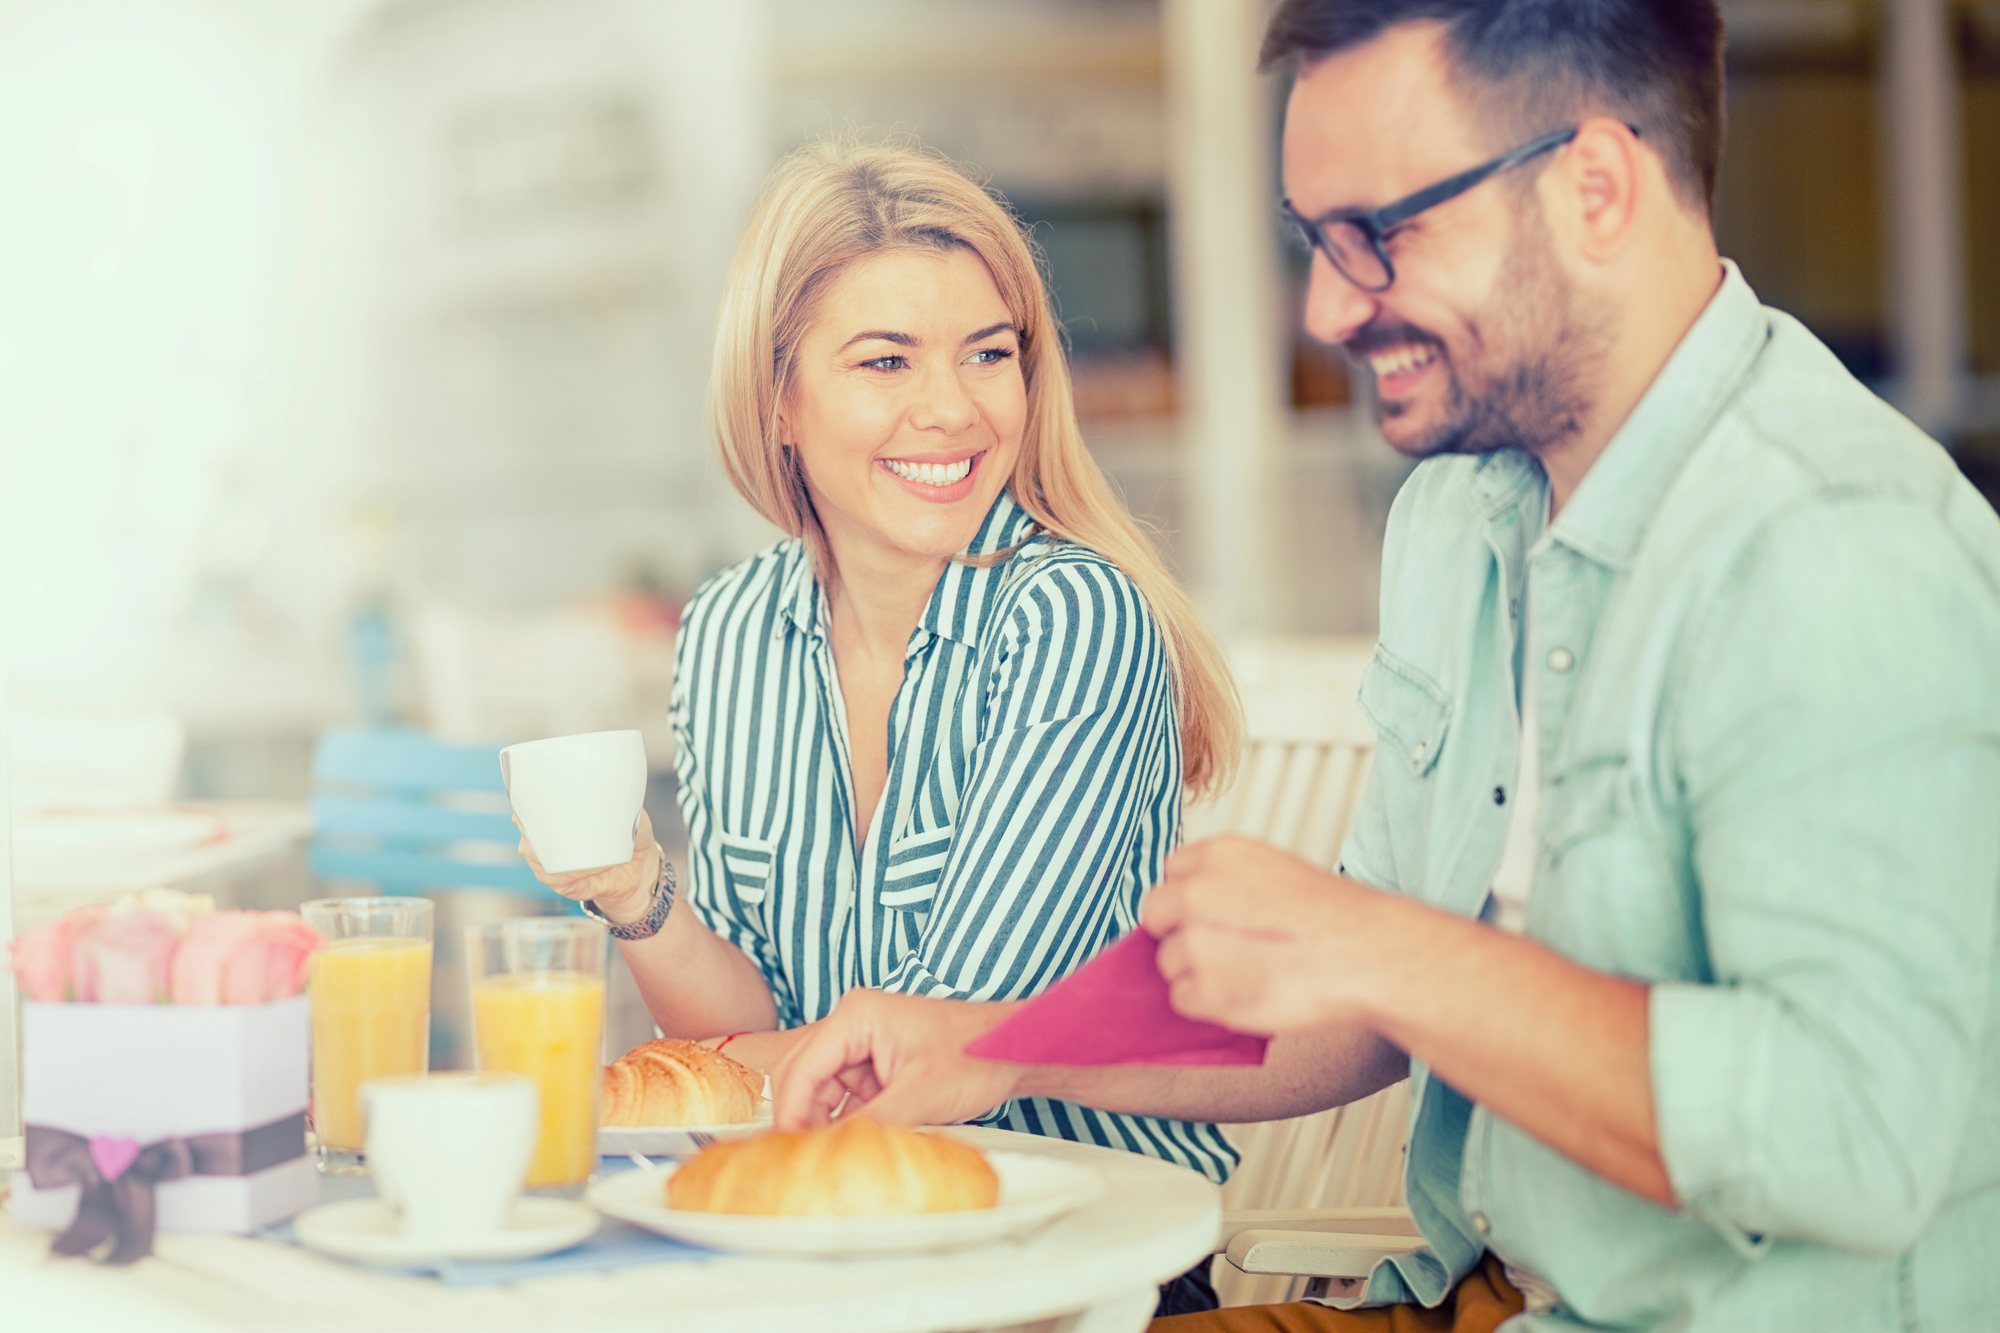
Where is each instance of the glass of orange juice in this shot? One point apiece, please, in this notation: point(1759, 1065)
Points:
point(371, 1010)
point(538, 1009)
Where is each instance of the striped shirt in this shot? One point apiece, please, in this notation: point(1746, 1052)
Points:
point(1033, 792)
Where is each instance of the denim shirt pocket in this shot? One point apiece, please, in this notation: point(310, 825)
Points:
point(1410, 712)
point(1587, 798)
point(916, 868)
point(1607, 891)
point(747, 862)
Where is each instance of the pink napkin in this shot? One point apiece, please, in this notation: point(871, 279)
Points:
point(1113, 1011)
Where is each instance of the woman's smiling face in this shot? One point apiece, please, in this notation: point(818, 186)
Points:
point(907, 404)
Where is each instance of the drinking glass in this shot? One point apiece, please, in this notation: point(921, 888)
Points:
point(538, 1009)
point(371, 1011)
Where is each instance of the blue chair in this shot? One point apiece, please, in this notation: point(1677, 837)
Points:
point(383, 814)
point(416, 817)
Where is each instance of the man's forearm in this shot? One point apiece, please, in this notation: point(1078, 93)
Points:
point(1302, 1073)
point(1556, 1048)
point(1265, 942)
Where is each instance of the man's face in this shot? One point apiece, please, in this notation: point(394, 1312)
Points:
point(1480, 342)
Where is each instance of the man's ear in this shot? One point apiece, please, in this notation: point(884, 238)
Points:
point(1604, 182)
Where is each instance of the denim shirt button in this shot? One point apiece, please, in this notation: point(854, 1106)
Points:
point(1480, 1224)
point(1560, 660)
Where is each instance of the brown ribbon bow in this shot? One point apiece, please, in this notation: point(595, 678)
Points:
point(118, 1202)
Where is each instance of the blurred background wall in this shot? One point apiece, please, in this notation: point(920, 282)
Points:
point(335, 327)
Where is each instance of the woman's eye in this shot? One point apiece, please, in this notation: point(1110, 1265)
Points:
point(885, 363)
point(990, 356)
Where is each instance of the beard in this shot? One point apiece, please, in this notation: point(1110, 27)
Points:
point(1520, 379)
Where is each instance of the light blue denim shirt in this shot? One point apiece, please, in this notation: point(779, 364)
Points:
point(1767, 640)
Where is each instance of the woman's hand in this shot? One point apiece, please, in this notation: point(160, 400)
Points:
point(623, 893)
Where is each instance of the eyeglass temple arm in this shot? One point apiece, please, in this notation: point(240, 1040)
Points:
point(1465, 180)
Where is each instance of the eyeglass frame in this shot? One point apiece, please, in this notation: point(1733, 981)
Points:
point(1373, 224)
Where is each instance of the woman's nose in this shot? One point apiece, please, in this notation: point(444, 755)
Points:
point(1335, 307)
point(943, 404)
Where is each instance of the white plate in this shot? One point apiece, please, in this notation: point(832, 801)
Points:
point(368, 1230)
point(676, 1140)
point(1033, 1189)
point(681, 1140)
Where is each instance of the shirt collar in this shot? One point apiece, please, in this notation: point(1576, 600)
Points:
point(962, 598)
point(1608, 515)
point(798, 595)
point(966, 593)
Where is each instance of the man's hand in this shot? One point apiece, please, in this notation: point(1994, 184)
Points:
point(1257, 940)
point(899, 1058)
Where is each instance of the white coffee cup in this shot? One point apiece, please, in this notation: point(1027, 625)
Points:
point(450, 1151)
point(578, 797)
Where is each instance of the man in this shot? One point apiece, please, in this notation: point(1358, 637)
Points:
point(1674, 888)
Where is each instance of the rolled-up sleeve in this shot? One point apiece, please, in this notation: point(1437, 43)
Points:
point(1836, 730)
point(1077, 769)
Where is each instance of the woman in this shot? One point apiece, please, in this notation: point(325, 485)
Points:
point(935, 741)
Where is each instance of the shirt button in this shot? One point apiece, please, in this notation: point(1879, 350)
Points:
point(1480, 1224)
point(1560, 660)
point(1499, 796)
point(1423, 748)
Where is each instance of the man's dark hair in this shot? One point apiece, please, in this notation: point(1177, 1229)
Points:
point(1538, 65)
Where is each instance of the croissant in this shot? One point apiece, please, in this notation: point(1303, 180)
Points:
point(856, 1168)
point(673, 1082)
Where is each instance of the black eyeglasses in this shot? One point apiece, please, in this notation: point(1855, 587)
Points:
point(1352, 241)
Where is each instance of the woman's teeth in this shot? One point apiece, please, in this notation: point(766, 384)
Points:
point(1402, 360)
point(930, 474)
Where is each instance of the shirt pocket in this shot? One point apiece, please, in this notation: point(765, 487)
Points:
point(1586, 799)
point(916, 868)
point(1411, 716)
point(1607, 892)
point(1409, 711)
point(746, 863)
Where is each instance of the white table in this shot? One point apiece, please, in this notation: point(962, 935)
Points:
point(1093, 1271)
point(241, 839)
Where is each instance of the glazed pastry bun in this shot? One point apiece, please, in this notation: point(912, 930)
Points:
point(674, 1082)
point(856, 1168)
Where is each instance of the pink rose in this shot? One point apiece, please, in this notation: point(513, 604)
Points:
point(41, 957)
point(125, 959)
point(243, 958)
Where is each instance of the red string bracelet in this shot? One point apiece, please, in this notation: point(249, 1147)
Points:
point(726, 1040)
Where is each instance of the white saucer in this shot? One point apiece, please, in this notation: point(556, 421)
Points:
point(368, 1230)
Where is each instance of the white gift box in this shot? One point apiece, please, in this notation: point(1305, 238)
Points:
point(148, 1072)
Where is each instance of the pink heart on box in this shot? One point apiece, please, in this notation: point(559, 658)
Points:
point(113, 1156)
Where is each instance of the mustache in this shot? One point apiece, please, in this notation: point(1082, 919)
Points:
point(1376, 336)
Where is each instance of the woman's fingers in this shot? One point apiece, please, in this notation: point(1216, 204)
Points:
point(612, 883)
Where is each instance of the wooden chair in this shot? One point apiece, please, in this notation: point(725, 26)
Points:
point(1316, 1198)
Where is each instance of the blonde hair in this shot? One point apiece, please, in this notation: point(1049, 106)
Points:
point(835, 202)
